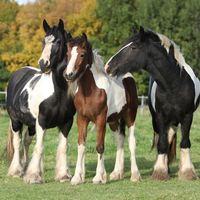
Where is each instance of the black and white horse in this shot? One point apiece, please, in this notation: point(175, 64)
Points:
point(41, 100)
point(174, 94)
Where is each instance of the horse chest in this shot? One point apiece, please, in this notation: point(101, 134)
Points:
point(90, 103)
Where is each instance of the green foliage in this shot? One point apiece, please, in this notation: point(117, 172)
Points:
point(107, 23)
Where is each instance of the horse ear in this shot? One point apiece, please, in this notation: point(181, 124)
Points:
point(84, 36)
point(61, 25)
point(68, 36)
point(142, 33)
point(134, 29)
point(46, 26)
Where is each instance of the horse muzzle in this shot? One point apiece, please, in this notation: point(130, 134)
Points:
point(45, 68)
point(70, 77)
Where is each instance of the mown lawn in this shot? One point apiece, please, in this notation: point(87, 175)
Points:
point(15, 188)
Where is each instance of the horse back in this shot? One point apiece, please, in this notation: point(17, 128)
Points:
point(17, 101)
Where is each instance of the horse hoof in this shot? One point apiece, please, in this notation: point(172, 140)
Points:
point(33, 179)
point(116, 175)
point(76, 180)
point(188, 174)
point(63, 178)
point(16, 173)
point(160, 175)
point(100, 179)
point(135, 177)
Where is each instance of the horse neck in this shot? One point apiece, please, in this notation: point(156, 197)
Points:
point(166, 73)
point(59, 81)
point(86, 83)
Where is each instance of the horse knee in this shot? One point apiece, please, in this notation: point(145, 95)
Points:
point(100, 148)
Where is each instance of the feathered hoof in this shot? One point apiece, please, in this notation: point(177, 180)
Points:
point(34, 178)
point(100, 179)
point(135, 177)
point(116, 175)
point(16, 173)
point(188, 174)
point(160, 175)
point(77, 179)
point(63, 177)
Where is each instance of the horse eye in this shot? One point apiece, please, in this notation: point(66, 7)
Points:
point(82, 55)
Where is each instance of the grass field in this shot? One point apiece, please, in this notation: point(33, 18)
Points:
point(15, 188)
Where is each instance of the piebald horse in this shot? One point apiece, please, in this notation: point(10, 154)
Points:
point(41, 99)
point(100, 99)
point(173, 97)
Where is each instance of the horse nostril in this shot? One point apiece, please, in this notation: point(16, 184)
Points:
point(70, 74)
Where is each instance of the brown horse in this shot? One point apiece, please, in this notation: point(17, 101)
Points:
point(100, 99)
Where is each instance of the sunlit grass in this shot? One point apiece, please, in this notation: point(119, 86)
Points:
point(14, 188)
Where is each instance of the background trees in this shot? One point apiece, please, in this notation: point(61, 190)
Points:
point(106, 22)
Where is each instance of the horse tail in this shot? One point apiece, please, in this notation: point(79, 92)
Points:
point(171, 154)
point(154, 141)
point(172, 149)
point(10, 147)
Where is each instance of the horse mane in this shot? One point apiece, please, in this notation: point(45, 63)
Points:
point(98, 62)
point(167, 43)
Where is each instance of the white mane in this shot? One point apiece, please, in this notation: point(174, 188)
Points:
point(98, 62)
point(166, 43)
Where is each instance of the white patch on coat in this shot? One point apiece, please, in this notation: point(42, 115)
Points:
point(15, 168)
point(100, 176)
point(153, 95)
point(113, 86)
point(161, 162)
point(119, 162)
point(127, 45)
point(79, 176)
point(132, 148)
point(43, 89)
point(34, 170)
point(46, 53)
point(171, 132)
point(61, 158)
point(33, 68)
point(185, 160)
point(72, 61)
point(166, 42)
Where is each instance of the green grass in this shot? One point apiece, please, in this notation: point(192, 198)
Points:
point(15, 188)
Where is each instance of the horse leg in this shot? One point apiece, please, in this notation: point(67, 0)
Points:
point(62, 170)
point(28, 136)
point(79, 176)
point(161, 166)
point(35, 168)
point(118, 172)
point(15, 168)
point(186, 168)
point(100, 176)
point(135, 174)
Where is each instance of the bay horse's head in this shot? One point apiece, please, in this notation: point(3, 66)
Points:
point(54, 46)
point(131, 57)
point(79, 57)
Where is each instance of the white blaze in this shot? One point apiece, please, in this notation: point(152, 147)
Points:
point(72, 61)
point(106, 65)
point(46, 53)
